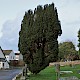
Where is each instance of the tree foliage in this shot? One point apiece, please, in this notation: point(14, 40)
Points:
point(38, 37)
point(79, 40)
point(67, 51)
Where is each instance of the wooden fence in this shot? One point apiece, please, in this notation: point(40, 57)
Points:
point(66, 63)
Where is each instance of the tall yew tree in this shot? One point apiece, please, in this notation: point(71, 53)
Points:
point(79, 40)
point(38, 37)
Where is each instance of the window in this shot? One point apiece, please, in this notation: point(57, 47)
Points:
point(13, 57)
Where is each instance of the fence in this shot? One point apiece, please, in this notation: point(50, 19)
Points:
point(65, 63)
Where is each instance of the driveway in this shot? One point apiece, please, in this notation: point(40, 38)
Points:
point(9, 74)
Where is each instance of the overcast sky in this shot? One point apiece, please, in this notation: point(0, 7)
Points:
point(12, 12)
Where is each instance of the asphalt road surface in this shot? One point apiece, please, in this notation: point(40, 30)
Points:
point(9, 74)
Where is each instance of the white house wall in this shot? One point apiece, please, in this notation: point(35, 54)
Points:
point(7, 57)
point(12, 56)
point(16, 57)
point(6, 65)
point(20, 57)
point(1, 65)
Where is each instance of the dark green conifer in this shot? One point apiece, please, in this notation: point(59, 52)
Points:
point(38, 37)
point(79, 40)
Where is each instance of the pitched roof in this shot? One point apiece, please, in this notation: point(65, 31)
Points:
point(17, 53)
point(0, 48)
point(2, 60)
point(2, 51)
point(7, 52)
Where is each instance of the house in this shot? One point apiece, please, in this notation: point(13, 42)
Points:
point(18, 56)
point(3, 62)
point(9, 54)
point(19, 59)
point(14, 59)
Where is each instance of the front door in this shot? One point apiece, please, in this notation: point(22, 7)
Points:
point(3, 65)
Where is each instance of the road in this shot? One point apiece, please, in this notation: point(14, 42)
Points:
point(9, 74)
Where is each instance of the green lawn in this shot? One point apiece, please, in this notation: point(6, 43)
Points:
point(75, 70)
point(18, 78)
point(49, 73)
point(46, 74)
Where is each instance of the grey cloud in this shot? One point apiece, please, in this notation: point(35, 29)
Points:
point(10, 31)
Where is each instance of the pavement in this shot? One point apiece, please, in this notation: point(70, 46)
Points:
point(9, 74)
point(69, 78)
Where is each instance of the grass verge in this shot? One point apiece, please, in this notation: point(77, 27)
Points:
point(50, 74)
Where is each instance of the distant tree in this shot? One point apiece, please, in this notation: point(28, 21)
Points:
point(38, 37)
point(67, 50)
point(79, 40)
